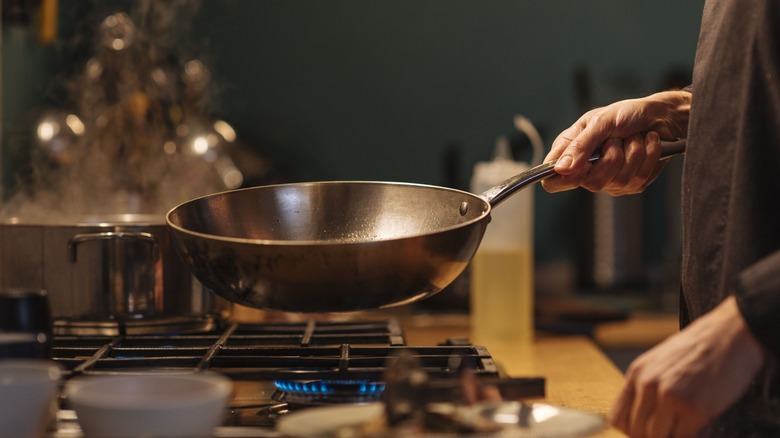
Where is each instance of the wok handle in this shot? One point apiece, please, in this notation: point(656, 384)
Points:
point(497, 194)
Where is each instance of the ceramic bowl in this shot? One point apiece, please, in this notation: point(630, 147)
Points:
point(153, 405)
point(28, 393)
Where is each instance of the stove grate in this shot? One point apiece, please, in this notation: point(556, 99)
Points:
point(311, 350)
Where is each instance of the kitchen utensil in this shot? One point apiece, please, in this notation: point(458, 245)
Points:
point(338, 246)
point(494, 419)
point(24, 310)
point(538, 420)
point(109, 268)
point(22, 345)
point(361, 420)
point(28, 390)
point(27, 311)
point(159, 405)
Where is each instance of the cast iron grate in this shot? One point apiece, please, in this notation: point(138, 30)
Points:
point(267, 351)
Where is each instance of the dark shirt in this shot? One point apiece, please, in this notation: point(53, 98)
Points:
point(731, 187)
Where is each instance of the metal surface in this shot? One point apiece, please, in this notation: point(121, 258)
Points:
point(336, 246)
point(267, 351)
point(269, 361)
point(327, 247)
point(102, 272)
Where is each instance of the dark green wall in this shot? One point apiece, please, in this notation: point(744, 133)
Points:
point(378, 90)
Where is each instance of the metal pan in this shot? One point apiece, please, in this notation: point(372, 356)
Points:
point(338, 246)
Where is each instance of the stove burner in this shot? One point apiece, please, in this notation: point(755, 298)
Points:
point(279, 367)
point(330, 387)
point(327, 391)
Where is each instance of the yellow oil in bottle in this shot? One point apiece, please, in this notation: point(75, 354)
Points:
point(502, 295)
point(502, 283)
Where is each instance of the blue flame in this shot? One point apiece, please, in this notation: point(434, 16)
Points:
point(324, 387)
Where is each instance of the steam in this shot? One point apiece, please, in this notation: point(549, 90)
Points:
point(136, 136)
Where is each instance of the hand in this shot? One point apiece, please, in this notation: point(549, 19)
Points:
point(677, 388)
point(628, 133)
point(626, 167)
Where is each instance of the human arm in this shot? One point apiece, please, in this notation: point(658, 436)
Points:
point(629, 132)
point(681, 385)
point(758, 296)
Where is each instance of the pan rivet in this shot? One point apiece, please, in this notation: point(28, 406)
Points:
point(464, 208)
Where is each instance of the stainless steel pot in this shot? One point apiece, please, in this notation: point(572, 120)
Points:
point(117, 268)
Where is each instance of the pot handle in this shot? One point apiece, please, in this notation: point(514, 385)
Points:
point(497, 194)
point(109, 235)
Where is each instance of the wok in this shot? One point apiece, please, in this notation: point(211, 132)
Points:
point(338, 246)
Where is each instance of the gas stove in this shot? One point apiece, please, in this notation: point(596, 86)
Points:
point(280, 367)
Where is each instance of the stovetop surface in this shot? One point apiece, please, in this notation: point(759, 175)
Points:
point(275, 367)
point(266, 351)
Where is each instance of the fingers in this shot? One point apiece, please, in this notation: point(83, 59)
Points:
point(652, 154)
point(572, 150)
point(575, 157)
point(626, 166)
point(625, 179)
point(558, 183)
point(679, 386)
point(567, 179)
point(642, 410)
point(652, 412)
point(604, 171)
point(620, 415)
point(562, 142)
point(639, 169)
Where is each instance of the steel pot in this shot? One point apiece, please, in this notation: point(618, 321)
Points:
point(114, 268)
point(338, 246)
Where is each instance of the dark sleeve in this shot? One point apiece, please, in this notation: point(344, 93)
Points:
point(758, 297)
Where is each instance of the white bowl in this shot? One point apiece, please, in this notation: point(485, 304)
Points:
point(150, 405)
point(28, 393)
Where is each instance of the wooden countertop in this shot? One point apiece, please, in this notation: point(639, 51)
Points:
point(577, 374)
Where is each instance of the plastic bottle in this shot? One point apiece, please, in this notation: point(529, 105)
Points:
point(502, 305)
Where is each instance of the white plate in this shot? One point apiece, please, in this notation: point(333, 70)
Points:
point(314, 422)
point(541, 420)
